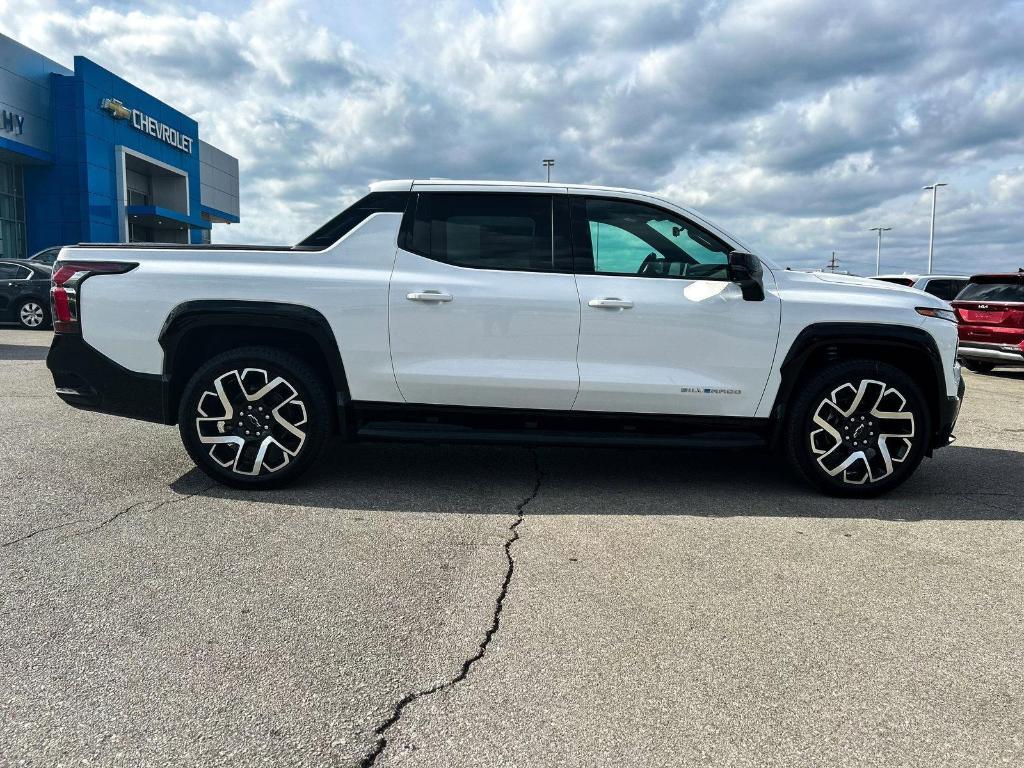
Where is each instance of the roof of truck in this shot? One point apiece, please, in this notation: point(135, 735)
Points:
point(406, 185)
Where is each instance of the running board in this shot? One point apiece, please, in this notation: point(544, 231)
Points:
point(441, 433)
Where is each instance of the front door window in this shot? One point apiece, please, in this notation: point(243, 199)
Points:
point(632, 239)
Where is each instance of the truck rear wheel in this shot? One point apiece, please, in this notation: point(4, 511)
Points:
point(254, 417)
point(858, 428)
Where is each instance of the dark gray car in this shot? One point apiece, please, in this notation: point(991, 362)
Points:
point(25, 293)
point(46, 256)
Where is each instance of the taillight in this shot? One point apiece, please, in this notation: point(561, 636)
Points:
point(65, 282)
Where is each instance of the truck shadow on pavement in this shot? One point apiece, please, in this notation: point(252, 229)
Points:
point(960, 483)
point(23, 351)
point(1007, 373)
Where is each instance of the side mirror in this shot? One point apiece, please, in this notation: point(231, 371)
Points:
point(745, 270)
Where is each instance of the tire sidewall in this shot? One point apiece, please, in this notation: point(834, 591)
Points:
point(819, 388)
point(310, 390)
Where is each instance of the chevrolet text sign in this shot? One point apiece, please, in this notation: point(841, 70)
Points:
point(146, 124)
point(12, 122)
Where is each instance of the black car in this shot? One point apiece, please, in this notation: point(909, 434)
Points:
point(25, 293)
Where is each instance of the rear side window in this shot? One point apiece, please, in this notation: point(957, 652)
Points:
point(945, 289)
point(46, 257)
point(520, 232)
point(1009, 291)
point(14, 272)
point(353, 216)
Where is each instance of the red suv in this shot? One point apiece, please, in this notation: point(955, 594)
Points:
point(990, 309)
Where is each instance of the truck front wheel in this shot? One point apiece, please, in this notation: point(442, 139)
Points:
point(254, 417)
point(858, 428)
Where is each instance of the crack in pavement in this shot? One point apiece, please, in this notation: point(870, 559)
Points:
point(37, 532)
point(109, 520)
point(136, 505)
point(381, 731)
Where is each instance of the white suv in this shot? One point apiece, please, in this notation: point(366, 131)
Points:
point(945, 287)
point(483, 311)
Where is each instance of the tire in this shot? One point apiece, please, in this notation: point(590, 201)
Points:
point(232, 440)
point(838, 438)
point(978, 367)
point(33, 315)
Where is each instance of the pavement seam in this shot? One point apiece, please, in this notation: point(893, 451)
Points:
point(381, 731)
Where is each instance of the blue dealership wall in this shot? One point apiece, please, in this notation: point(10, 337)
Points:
point(76, 198)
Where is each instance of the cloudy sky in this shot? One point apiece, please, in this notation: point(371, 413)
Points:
point(796, 124)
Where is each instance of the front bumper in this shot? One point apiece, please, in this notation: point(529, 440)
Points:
point(88, 379)
point(949, 410)
point(999, 354)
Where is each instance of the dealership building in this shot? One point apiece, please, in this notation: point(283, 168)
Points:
point(86, 156)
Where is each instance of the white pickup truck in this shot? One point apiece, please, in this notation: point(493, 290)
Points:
point(480, 311)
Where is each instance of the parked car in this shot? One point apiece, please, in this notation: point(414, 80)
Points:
point(25, 293)
point(946, 287)
point(46, 256)
point(507, 312)
point(991, 312)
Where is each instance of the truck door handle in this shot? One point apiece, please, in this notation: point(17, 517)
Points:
point(610, 302)
point(430, 296)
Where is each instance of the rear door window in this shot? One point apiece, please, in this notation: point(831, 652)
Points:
point(520, 232)
point(14, 272)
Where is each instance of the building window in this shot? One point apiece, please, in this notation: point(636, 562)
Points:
point(135, 197)
point(140, 234)
point(139, 187)
point(12, 212)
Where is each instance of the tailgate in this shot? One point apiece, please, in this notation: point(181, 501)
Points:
point(990, 313)
point(984, 314)
point(991, 321)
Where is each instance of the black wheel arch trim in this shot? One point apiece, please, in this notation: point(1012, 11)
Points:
point(211, 313)
point(819, 336)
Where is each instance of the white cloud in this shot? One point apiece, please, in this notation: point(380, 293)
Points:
point(798, 123)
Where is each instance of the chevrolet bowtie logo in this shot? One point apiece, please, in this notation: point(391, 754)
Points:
point(118, 110)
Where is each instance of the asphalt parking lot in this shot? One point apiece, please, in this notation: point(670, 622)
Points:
point(443, 606)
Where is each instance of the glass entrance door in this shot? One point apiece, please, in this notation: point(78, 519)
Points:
point(12, 212)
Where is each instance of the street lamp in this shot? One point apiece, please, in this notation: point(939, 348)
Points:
point(931, 231)
point(547, 164)
point(878, 249)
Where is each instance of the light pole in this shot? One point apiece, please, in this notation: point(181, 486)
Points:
point(931, 231)
point(547, 164)
point(878, 249)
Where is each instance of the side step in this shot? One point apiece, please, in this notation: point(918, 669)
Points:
point(446, 433)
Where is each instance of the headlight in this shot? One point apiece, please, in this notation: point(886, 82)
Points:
point(942, 314)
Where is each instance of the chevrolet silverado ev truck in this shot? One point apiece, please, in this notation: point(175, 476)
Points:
point(488, 312)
